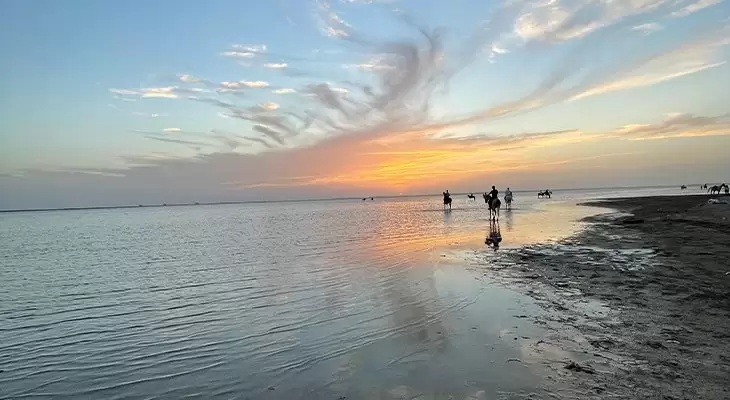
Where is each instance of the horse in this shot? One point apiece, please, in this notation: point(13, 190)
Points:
point(683, 187)
point(508, 200)
point(546, 193)
point(494, 205)
point(471, 196)
point(447, 200)
point(719, 188)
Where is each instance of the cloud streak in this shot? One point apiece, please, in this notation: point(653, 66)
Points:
point(177, 141)
point(694, 7)
point(677, 126)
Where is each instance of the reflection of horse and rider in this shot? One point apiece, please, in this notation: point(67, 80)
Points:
point(491, 198)
point(494, 238)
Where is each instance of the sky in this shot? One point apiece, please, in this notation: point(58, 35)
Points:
point(139, 102)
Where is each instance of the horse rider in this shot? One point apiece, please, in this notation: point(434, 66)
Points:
point(494, 193)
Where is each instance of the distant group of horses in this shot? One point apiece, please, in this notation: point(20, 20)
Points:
point(712, 190)
point(716, 189)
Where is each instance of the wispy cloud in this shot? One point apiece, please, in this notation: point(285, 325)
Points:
point(694, 7)
point(165, 92)
point(275, 65)
point(186, 78)
point(254, 48)
point(648, 27)
point(245, 51)
point(378, 62)
point(239, 54)
point(331, 24)
point(270, 106)
point(383, 129)
point(407, 75)
point(149, 115)
point(124, 92)
point(228, 140)
point(258, 140)
point(677, 126)
point(177, 141)
point(690, 58)
point(558, 21)
point(244, 84)
point(90, 171)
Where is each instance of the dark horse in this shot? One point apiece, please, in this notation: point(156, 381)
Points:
point(546, 193)
point(494, 205)
point(471, 196)
point(718, 188)
point(447, 199)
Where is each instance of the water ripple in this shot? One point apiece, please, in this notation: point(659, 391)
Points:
point(227, 301)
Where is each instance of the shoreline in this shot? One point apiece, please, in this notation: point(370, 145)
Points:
point(637, 303)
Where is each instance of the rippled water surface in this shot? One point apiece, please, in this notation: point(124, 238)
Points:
point(279, 300)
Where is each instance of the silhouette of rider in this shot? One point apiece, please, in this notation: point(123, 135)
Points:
point(494, 193)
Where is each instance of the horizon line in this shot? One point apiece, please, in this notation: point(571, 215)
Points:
point(226, 202)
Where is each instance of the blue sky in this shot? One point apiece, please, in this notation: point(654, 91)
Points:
point(118, 92)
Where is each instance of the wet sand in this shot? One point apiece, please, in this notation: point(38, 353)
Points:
point(638, 304)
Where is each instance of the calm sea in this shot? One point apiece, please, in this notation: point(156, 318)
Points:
point(325, 300)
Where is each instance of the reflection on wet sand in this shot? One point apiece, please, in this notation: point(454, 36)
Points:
point(508, 220)
point(494, 236)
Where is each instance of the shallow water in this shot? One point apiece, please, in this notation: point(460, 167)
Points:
point(278, 300)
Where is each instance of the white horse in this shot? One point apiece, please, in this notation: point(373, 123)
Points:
point(508, 200)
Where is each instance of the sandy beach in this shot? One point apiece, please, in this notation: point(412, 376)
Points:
point(637, 304)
